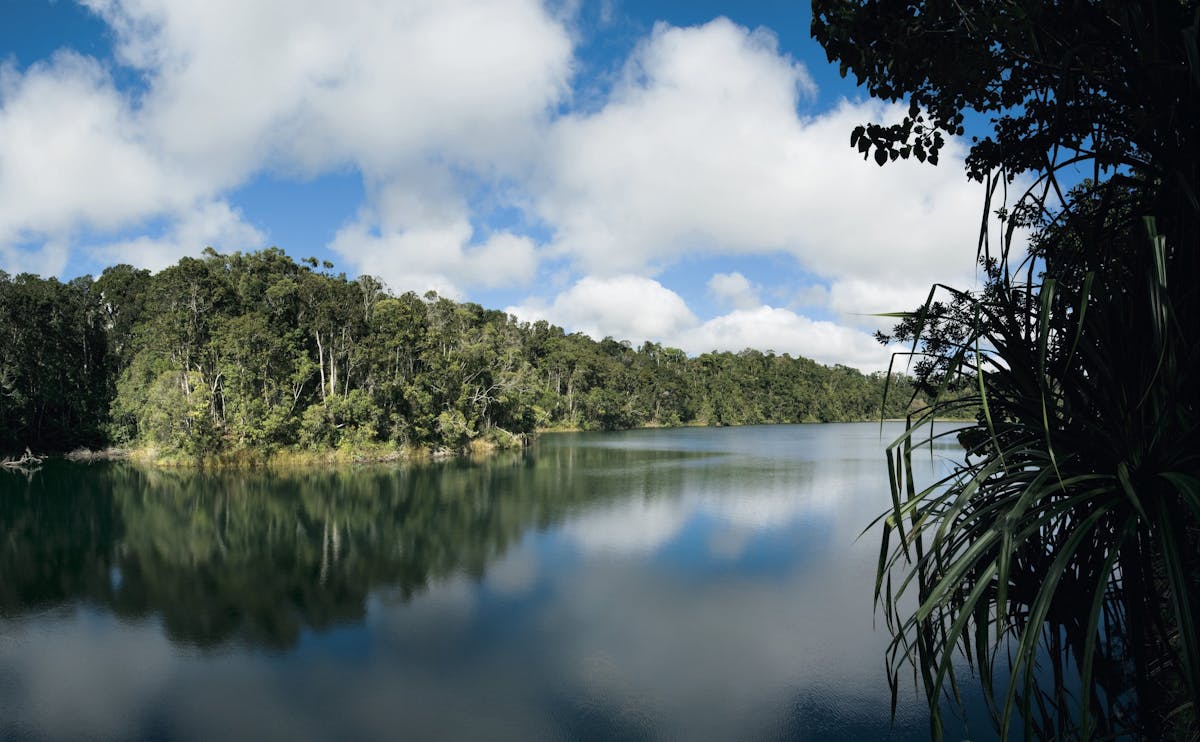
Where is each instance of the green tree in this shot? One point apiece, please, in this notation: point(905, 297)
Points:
point(253, 352)
point(53, 361)
point(1071, 534)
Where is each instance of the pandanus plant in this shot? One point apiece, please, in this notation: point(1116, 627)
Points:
point(1060, 558)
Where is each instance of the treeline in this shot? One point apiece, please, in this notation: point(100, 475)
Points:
point(256, 351)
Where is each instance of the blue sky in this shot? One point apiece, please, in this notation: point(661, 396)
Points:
point(679, 172)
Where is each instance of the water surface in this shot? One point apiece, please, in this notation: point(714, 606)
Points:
point(687, 584)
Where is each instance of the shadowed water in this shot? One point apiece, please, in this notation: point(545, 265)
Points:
point(672, 584)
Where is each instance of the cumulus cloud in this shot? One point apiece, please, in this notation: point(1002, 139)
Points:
point(734, 289)
point(213, 224)
point(784, 331)
point(701, 148)
point(46, 259)
point(637, 309)
point(625, 307)
point(231, 90)
point(73, 155)
point(439, 257)
point(858, 301)
point(418, 236)
point(366, 82)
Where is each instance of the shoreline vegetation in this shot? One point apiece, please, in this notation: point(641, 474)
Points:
point(282, 457)
point(232, 359)
point(373, 454)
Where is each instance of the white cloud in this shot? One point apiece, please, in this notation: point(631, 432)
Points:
point(700, 149)
point(72, 154)
point(213, 224)
point(624, 307)
point(419, 237)
point(857, 300)
point(735, 290)
point(637, 309)
point(438, 257)
point(374, 83)
point(49, 259)
point(808, 295)
point(235, 89)
point(784, 331)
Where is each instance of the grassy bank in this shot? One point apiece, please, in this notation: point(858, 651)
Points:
point(252, 458)
point(371, 453)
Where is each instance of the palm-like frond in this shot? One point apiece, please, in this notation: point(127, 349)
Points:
point(1060, 559)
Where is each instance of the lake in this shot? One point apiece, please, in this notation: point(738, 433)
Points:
point(684, 584)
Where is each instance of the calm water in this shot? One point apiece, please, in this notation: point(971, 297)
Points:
point(697, 584)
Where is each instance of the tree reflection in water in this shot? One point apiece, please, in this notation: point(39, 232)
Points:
point(259, 556)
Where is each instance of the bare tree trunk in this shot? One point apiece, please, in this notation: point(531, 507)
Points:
point(321, 362)
point(332, 371)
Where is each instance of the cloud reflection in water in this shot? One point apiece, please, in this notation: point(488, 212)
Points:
point(696, 584)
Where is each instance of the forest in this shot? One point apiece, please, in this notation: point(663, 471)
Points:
point(257, 353)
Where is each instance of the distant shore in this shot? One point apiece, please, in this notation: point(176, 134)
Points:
point(249, 458)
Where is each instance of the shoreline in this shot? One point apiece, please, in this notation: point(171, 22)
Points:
point(279, 458)
point(375, 454)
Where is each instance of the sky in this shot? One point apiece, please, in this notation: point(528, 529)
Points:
point(670, 171)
